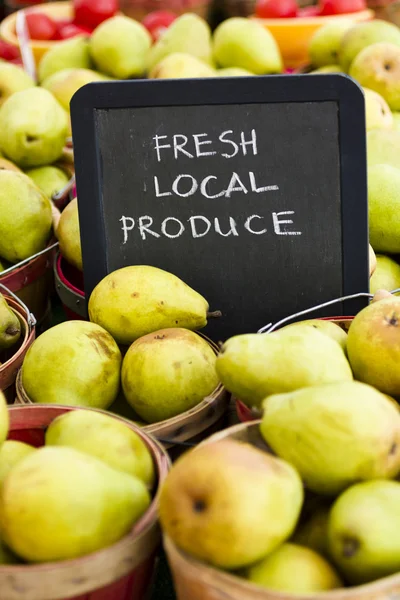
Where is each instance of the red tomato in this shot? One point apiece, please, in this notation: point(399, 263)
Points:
point(341, 7)
point(40, 26)
point(275, 9)
point(90, 13)
point(157, 22)
point(70, 30)
point(309, 11)
point(8, 52)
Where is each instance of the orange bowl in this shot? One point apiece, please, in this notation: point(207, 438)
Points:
point(293, 35)
point(56, 10)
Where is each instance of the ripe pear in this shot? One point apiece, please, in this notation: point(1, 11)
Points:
point(4, 418)
point(11, 453)
point(49, 179)
point(229, 503)
point(253, 366)
point(234, 72)
point(328, 69)
point(378, 68)
point(384, 208)
point(10, 326)
point(59, 504)
point(294, 569)
point(377, 112)
point(312, 428)
point(188, 34)
point(168, 372)
point(365, 34)
point(136, 300)
point(65, 83)
point(372, 260)
point(364, 531)
point(383, 147)
point(180, 66)
point(69, 54)
point(8, 165)
point(314, 532)
point(119, 47)
point(13, 79)
point(6, 556)
point(26, 218)
point(74, 363)
point(68, 234)
point(33, 128)
point(105, 437)
point(324, 45)
point(329, 328)
point(386, 276)
point(1, 267)
point(244, 43)
point(396, 120)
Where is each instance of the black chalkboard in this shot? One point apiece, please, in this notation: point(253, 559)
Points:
point(252, 190)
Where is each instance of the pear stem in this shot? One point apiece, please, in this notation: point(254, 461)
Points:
point(214, 314)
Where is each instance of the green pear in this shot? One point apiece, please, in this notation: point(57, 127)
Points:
point(253, 366)
point(294, 569)
point(328, 69)
point(68, 234)
point(65, 83)
point(105, 437)
point(329, 328)
point(377, 112)
point(365, 34)
point(312, 429)
point(74, 363)
point(378, 68)
point(11, 453)
point(168, 372)
point(314, 532)
point(383, 147)
point(59, 504)
point(384, 208)
point(136, 300)
point(363, 531)
point(10, 326)
point(373, 345)
point(188, 34)
point(229, 503)
point(13, 79)
point(49, 179)
point(1, 267)
point(324, 45)
point(119, 47)
point(396, 120)
point(179, 66)
point(33, 128)
point(69, 54)
point(244, 43)
point(26, 217)
point(386, 276)
point(234, 72)
point(4, 418)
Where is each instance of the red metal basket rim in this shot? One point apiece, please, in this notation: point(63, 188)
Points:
point(65, 281)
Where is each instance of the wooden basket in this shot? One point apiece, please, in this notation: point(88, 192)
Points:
point(195, 580)
point(12, 358)
point(121, 571)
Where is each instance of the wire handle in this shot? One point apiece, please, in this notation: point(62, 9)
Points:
point(29, 316)
point(63, 193)
point(271, 327)
point(27, 260)
point(26, 50)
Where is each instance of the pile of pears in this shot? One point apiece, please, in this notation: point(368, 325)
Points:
point(10, 328)
point(139, 353)
point(309, 500)
point(82, 491)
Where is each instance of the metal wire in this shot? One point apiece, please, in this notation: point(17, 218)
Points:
point(30, 317)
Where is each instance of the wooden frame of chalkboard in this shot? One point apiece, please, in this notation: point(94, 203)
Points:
point(271, 90)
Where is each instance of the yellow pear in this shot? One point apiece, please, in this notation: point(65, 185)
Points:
point(59, 503)
point(8, 165)
point(230, 504)
point(49, 179)
point(383, 208)
point(67, 54)
point(313, 427)
point(253, 366)
point(396, 120)
point(11, 453)
point(10, 326)
point(74, 363)
point(365, 34)
point(386, 276)
point(136, 300)
point(105, 437)
point(68, 234)
point(325, 43)
point(168, 372)
point(180, 66)
point(372, 260)
point(234, 72)
point(13, 79)
point(65, 83)
point(383, 147)
point(296, 570)
point(377, 112)
point(4, 418)
point(328, 69)
point(329, 328)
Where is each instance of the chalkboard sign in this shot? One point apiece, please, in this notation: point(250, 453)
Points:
point(251, 190)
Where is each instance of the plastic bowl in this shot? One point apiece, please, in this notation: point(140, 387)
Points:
point(293, 35)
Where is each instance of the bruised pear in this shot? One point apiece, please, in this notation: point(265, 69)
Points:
point(74, 363)
point(229, 503)
point(137, 300)
point(11, 453)
point(168, 372)
point(10, 326)
point(313, 429)
point(253, 366)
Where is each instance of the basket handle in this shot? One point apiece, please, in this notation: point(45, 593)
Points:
point(27, 260)
point(29, 316)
